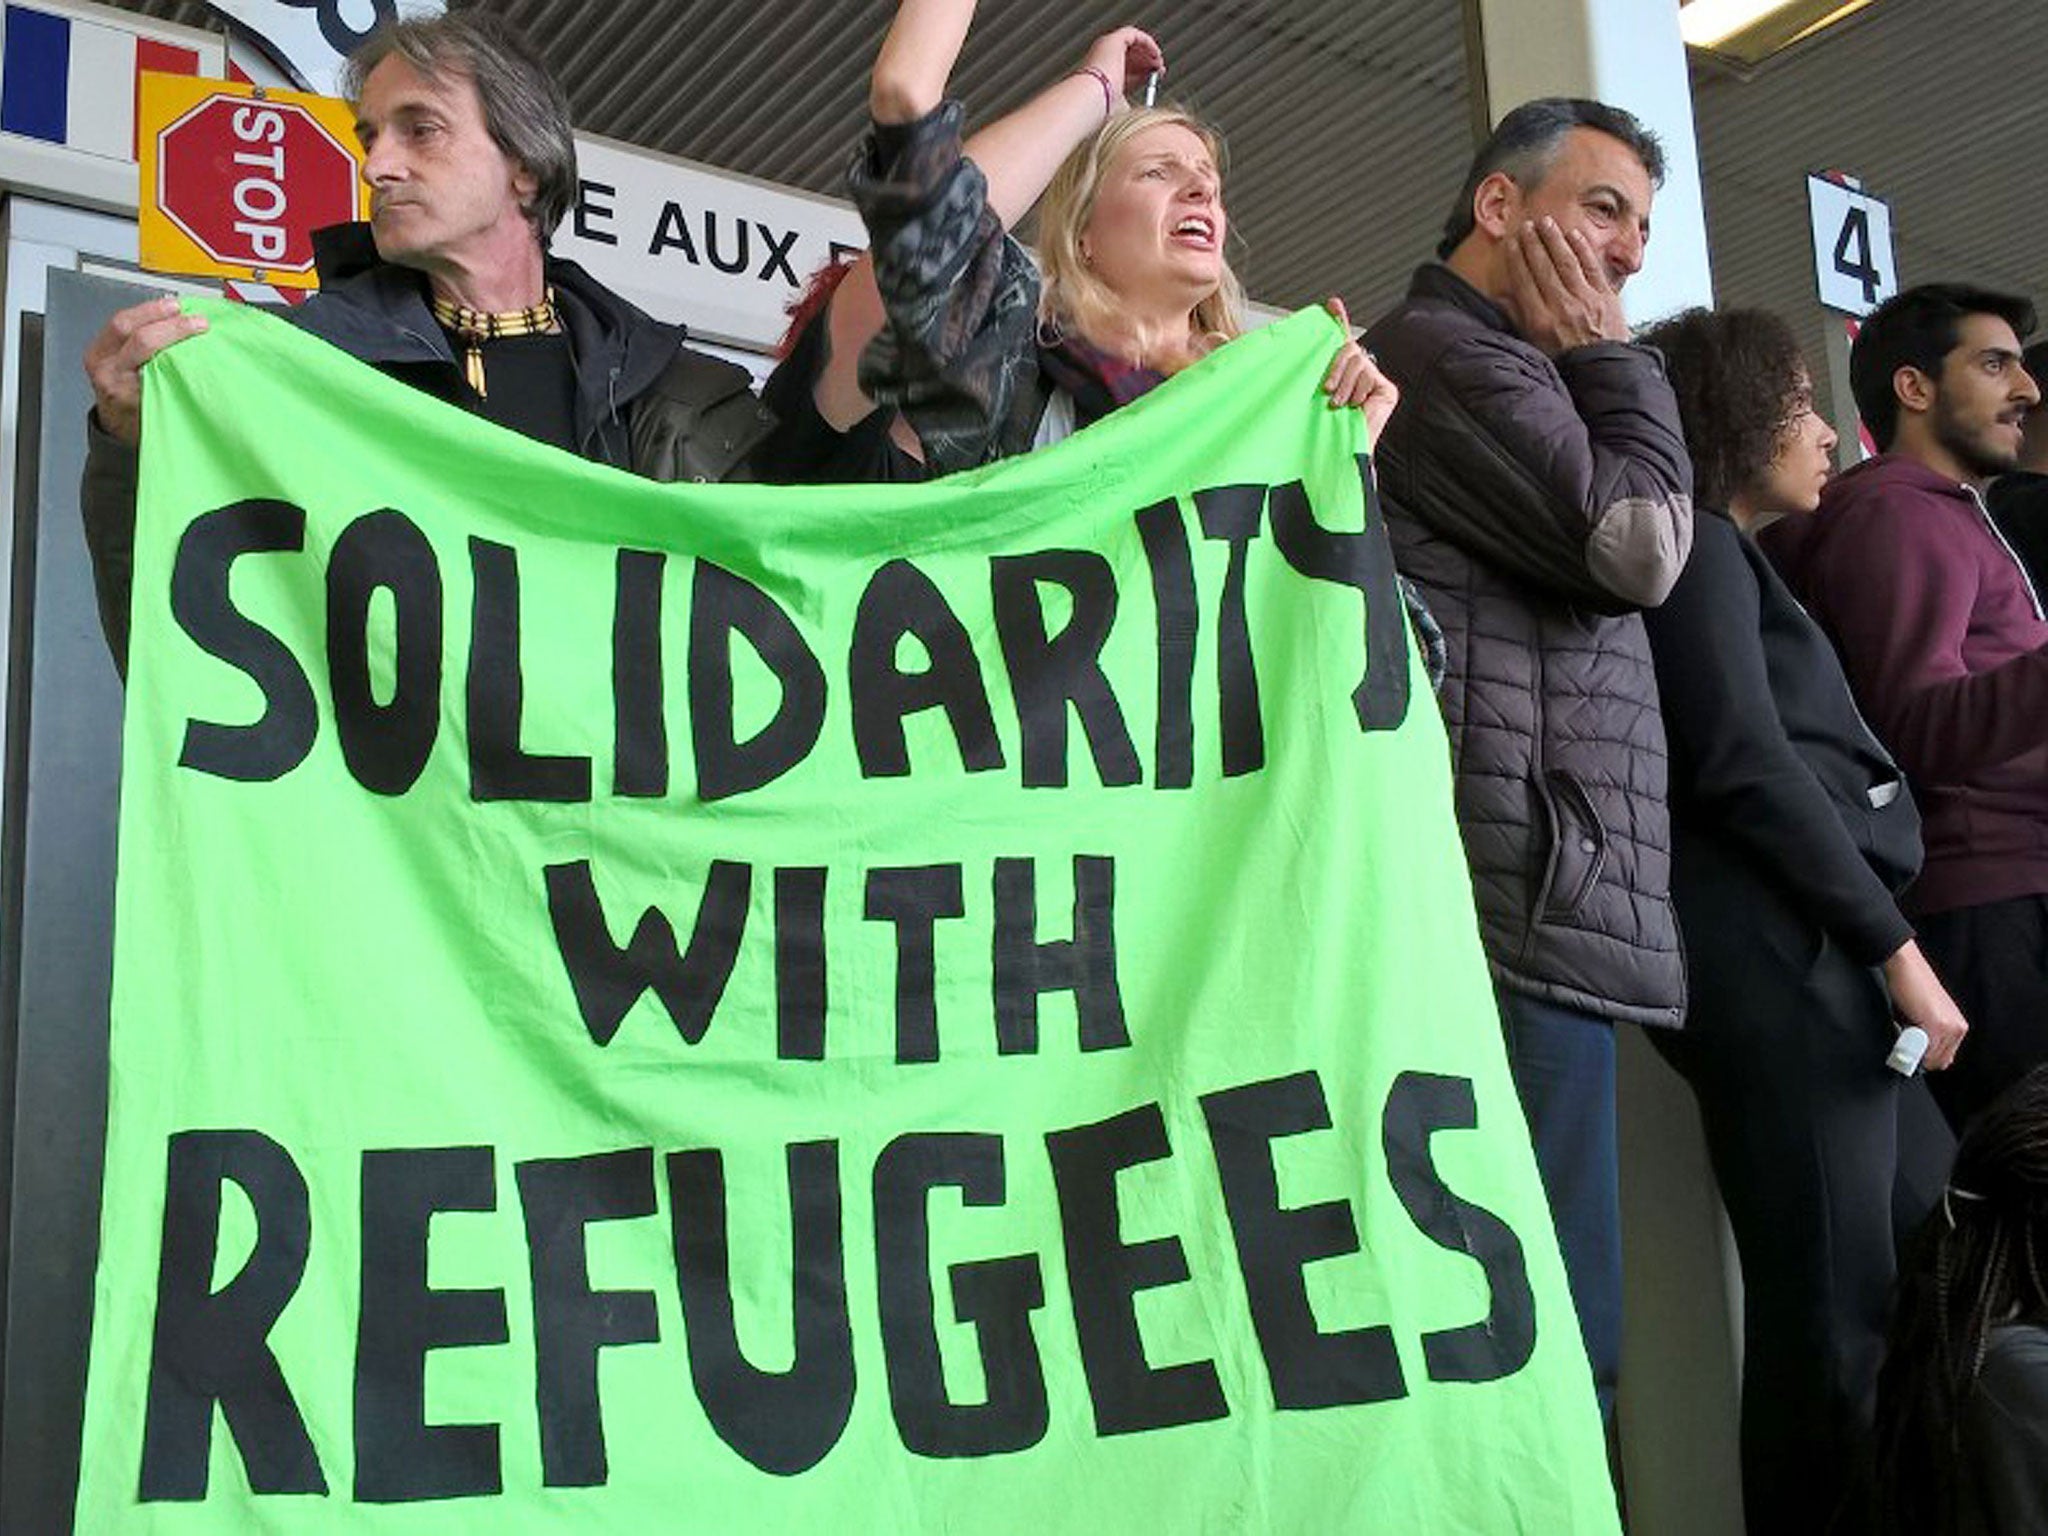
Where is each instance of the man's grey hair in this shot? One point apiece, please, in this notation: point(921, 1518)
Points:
point(1526, 145)
point(525, 110)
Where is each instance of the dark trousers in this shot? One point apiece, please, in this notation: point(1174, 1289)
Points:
point(1784, 1049)
point(1994, 960)
point(1563, 1066)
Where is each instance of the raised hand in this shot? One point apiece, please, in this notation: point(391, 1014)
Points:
point(1124, 57)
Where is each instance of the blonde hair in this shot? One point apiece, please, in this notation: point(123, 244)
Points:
point(1074, 300)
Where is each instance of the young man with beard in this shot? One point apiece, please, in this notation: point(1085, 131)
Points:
point(1946, 646)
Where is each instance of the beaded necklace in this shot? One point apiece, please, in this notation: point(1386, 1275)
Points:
point(474, 327)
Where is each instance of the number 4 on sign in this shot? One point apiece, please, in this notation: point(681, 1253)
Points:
point(1852, 255)
point(1852, 247)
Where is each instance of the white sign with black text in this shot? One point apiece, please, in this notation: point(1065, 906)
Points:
point(722, 253)
point(1852, 247)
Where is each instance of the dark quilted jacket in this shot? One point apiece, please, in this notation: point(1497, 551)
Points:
point(1538, 504)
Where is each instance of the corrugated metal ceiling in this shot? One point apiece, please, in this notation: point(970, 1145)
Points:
point(1928, 102)
point(779, 91)
point(1349, 124)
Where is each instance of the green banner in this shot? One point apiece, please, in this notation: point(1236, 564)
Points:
point(934, 1008)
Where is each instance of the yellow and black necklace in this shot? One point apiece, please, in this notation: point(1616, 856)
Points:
point(474, 327)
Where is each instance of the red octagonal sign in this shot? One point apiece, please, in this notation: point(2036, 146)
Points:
point(249, 180)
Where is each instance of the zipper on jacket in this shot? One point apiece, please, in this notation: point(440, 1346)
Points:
point(1990, 522)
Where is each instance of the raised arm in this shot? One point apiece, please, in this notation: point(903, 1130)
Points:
point(1019, 151)
point(917, 58)
point(1016, 154)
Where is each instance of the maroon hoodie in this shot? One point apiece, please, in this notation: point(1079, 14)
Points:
point(1946, 648)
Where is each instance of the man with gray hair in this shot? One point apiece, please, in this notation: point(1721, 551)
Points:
point(1539, 493)
point(450, 288)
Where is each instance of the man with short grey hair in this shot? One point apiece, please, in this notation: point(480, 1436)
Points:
point(1539, 494)
point(450, 288)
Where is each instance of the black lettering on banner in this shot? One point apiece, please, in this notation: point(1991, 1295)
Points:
point(1105, 1274)
point(400, 1457)
point(1500, 1344)
point(560, 1198)
point(1084, 965)
point(1306, 1367)
point(1232, 514)
point(1363, 560)
point(500, 768)
point(775, 254)
point(385, 745)
point(590, 212)
point(210, 1347)
point(1180, 622)
point(914, 900)
point(1048, 673)
point(841, 250)
point(996, 1297)
point(900, 600)
point(672, 231)
point(800, 991)
point(639, 690)
point(784, 1422)
point(723, 605)
point(608, 980)
point(737, 264)
point(205, 609)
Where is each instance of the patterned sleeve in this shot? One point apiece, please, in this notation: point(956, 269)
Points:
point(958, 354)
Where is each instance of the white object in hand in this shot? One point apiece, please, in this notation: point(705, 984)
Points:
point(1907, 1050)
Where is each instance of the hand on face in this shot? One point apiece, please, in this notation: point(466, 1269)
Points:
point(1568, 239)
point(1355, 380)
point(1125, 57)
point(1559, 295)
point(113, 362)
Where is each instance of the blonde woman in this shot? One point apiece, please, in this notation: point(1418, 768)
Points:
point(945, 348)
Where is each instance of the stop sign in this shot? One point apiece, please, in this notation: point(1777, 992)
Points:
point(248, 180)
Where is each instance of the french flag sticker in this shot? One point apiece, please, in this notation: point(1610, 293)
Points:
point(73, 82)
